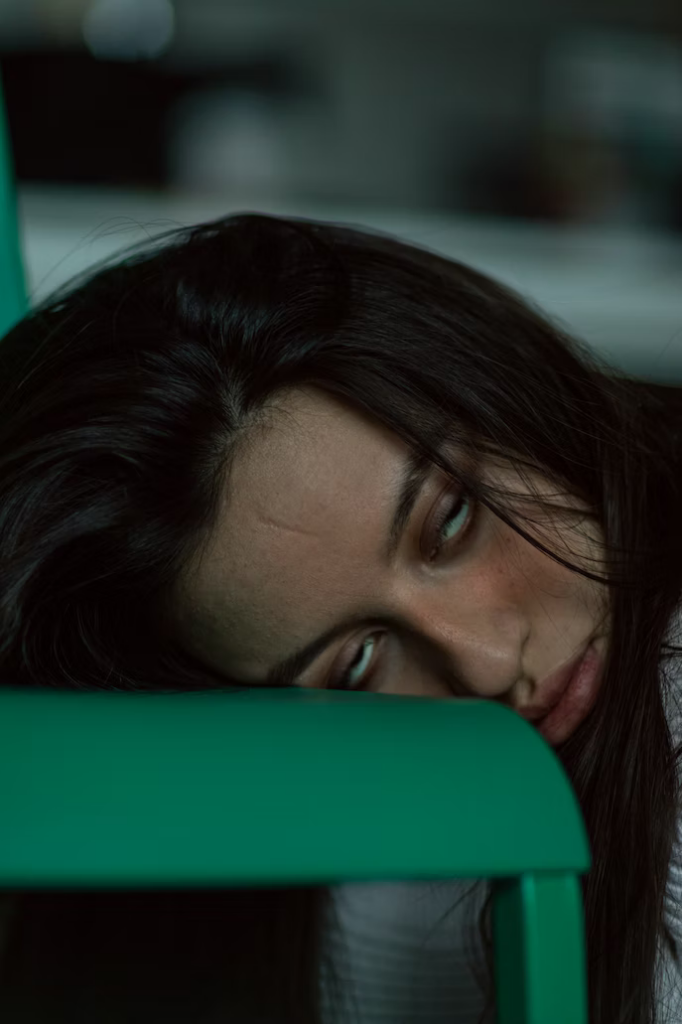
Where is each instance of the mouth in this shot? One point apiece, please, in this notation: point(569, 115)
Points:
point(573, 693)
point(553, 688)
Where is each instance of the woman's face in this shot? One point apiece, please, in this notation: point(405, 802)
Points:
point(300, 549)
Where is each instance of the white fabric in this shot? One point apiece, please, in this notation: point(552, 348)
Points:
point(669, 970)
point(399, 962)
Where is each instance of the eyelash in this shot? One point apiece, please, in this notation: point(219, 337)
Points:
point(343, 681)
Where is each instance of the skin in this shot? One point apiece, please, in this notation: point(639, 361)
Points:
point(299, 545)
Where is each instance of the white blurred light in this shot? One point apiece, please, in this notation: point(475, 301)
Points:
point(128, 29)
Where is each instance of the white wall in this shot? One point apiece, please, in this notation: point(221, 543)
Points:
point(619, 291)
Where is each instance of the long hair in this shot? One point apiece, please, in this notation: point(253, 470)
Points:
point(123, 402)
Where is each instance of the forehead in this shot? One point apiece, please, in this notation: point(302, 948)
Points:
point(310, 441)
point(298, 537)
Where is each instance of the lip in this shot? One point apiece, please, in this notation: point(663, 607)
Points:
point(554, 687)
point(577, 699)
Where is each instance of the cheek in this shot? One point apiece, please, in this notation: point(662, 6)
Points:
point(560, 591)
point(509, 563)
point(414, 683)
point(513, 566)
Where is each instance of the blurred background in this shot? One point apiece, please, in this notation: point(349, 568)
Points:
point(540, 142)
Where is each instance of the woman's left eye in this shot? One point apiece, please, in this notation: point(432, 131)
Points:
point(452, 521)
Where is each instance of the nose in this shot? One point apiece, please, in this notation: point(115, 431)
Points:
point(480, 652)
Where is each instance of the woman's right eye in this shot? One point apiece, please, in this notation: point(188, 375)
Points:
point(356, 676)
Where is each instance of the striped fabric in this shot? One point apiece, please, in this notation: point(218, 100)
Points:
point(402, 952)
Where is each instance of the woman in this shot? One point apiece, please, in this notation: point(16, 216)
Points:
point(202, 449)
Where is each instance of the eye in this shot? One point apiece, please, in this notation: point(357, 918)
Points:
point(454, 519)
point(356, 672)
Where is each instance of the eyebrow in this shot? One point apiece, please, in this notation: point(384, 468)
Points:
point(415, 472)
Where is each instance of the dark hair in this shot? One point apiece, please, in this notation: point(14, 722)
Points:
point(124, 399)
